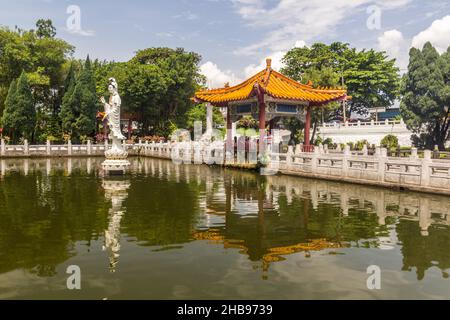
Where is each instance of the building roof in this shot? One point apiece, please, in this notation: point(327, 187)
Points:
point(275, 85)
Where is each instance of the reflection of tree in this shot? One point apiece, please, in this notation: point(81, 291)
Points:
point(424, 252)
point(268, 233)
point(160, 213)
point(43, 216)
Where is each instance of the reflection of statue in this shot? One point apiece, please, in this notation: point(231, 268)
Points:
point(116, 156)
point(116, 191)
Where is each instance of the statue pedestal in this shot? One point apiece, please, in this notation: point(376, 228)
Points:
point(115, 166)
point(116, 162)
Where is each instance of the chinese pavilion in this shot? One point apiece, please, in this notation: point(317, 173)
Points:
point(269, 95)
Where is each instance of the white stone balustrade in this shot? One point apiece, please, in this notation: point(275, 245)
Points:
point(415, 172)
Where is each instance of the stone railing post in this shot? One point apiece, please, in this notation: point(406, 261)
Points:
point(48, 148)
point(321, 151)
point(365, 150)
point(3, 147)
point(414, 155)
point(289, 156)
point(198, 159)
point(425, 170)
point(315, 160)
point(381, 154)
point(69, 147)
point(345, 160)
point(26, 148)
point(89, 147)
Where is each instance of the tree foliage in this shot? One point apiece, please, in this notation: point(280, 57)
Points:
point(369, 76)
point(19, 117)
point(80, 104)
point(156, 86)
point(198, 113)
point(42, 56)
point(390, 142)
point(426, 94)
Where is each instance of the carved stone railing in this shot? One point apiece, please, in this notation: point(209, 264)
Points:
point(414, 173)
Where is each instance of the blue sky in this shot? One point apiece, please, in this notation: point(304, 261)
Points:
point(235, 36)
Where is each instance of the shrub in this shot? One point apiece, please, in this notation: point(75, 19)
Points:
point(360, 144)
point(390, 142)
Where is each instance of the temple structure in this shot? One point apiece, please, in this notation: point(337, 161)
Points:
point(267, 96)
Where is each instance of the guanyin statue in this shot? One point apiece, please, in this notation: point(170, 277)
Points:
point(116, 156)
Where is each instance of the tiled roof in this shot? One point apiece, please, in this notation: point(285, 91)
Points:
point(274, 84)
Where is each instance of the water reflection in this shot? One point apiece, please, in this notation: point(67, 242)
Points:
point(48, 206)
point(116, 192)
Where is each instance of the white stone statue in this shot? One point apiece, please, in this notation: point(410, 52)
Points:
point(116, 156)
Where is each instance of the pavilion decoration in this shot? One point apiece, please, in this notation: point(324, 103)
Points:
point(268, 95)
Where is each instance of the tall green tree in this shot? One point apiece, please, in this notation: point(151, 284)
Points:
point(426, 96)
point(42, 56)
point(45, 28)
point(80, 104)
point(19, 116)
point(155, 86)
point(369, 76)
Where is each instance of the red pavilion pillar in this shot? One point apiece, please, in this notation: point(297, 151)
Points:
point(307, 142)
point(230, 147)
point(262, 122)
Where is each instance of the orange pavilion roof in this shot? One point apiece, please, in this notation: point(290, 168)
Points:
point(275, 85)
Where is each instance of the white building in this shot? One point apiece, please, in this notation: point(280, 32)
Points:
point(372, 131)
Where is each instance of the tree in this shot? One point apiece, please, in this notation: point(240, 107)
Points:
point(180, 73)
point(19, 116)
point(390, 142)
point(45, 28)
point(156, 86)
point(198, 113)
point(80, 104)
point(426, 97)
point(6, 119)
point(41, 56)
point(369, 76)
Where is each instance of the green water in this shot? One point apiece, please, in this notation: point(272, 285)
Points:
point(198, 232)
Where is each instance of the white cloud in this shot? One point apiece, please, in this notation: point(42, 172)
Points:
point(276, 57)
point(396, 46)
point(217, 78)
point(299, 19)
point(438, 34)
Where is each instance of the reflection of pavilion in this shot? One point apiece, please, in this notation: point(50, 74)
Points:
point(116, 191)
point(267, 218)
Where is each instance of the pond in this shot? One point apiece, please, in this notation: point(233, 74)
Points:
point(197, 232)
